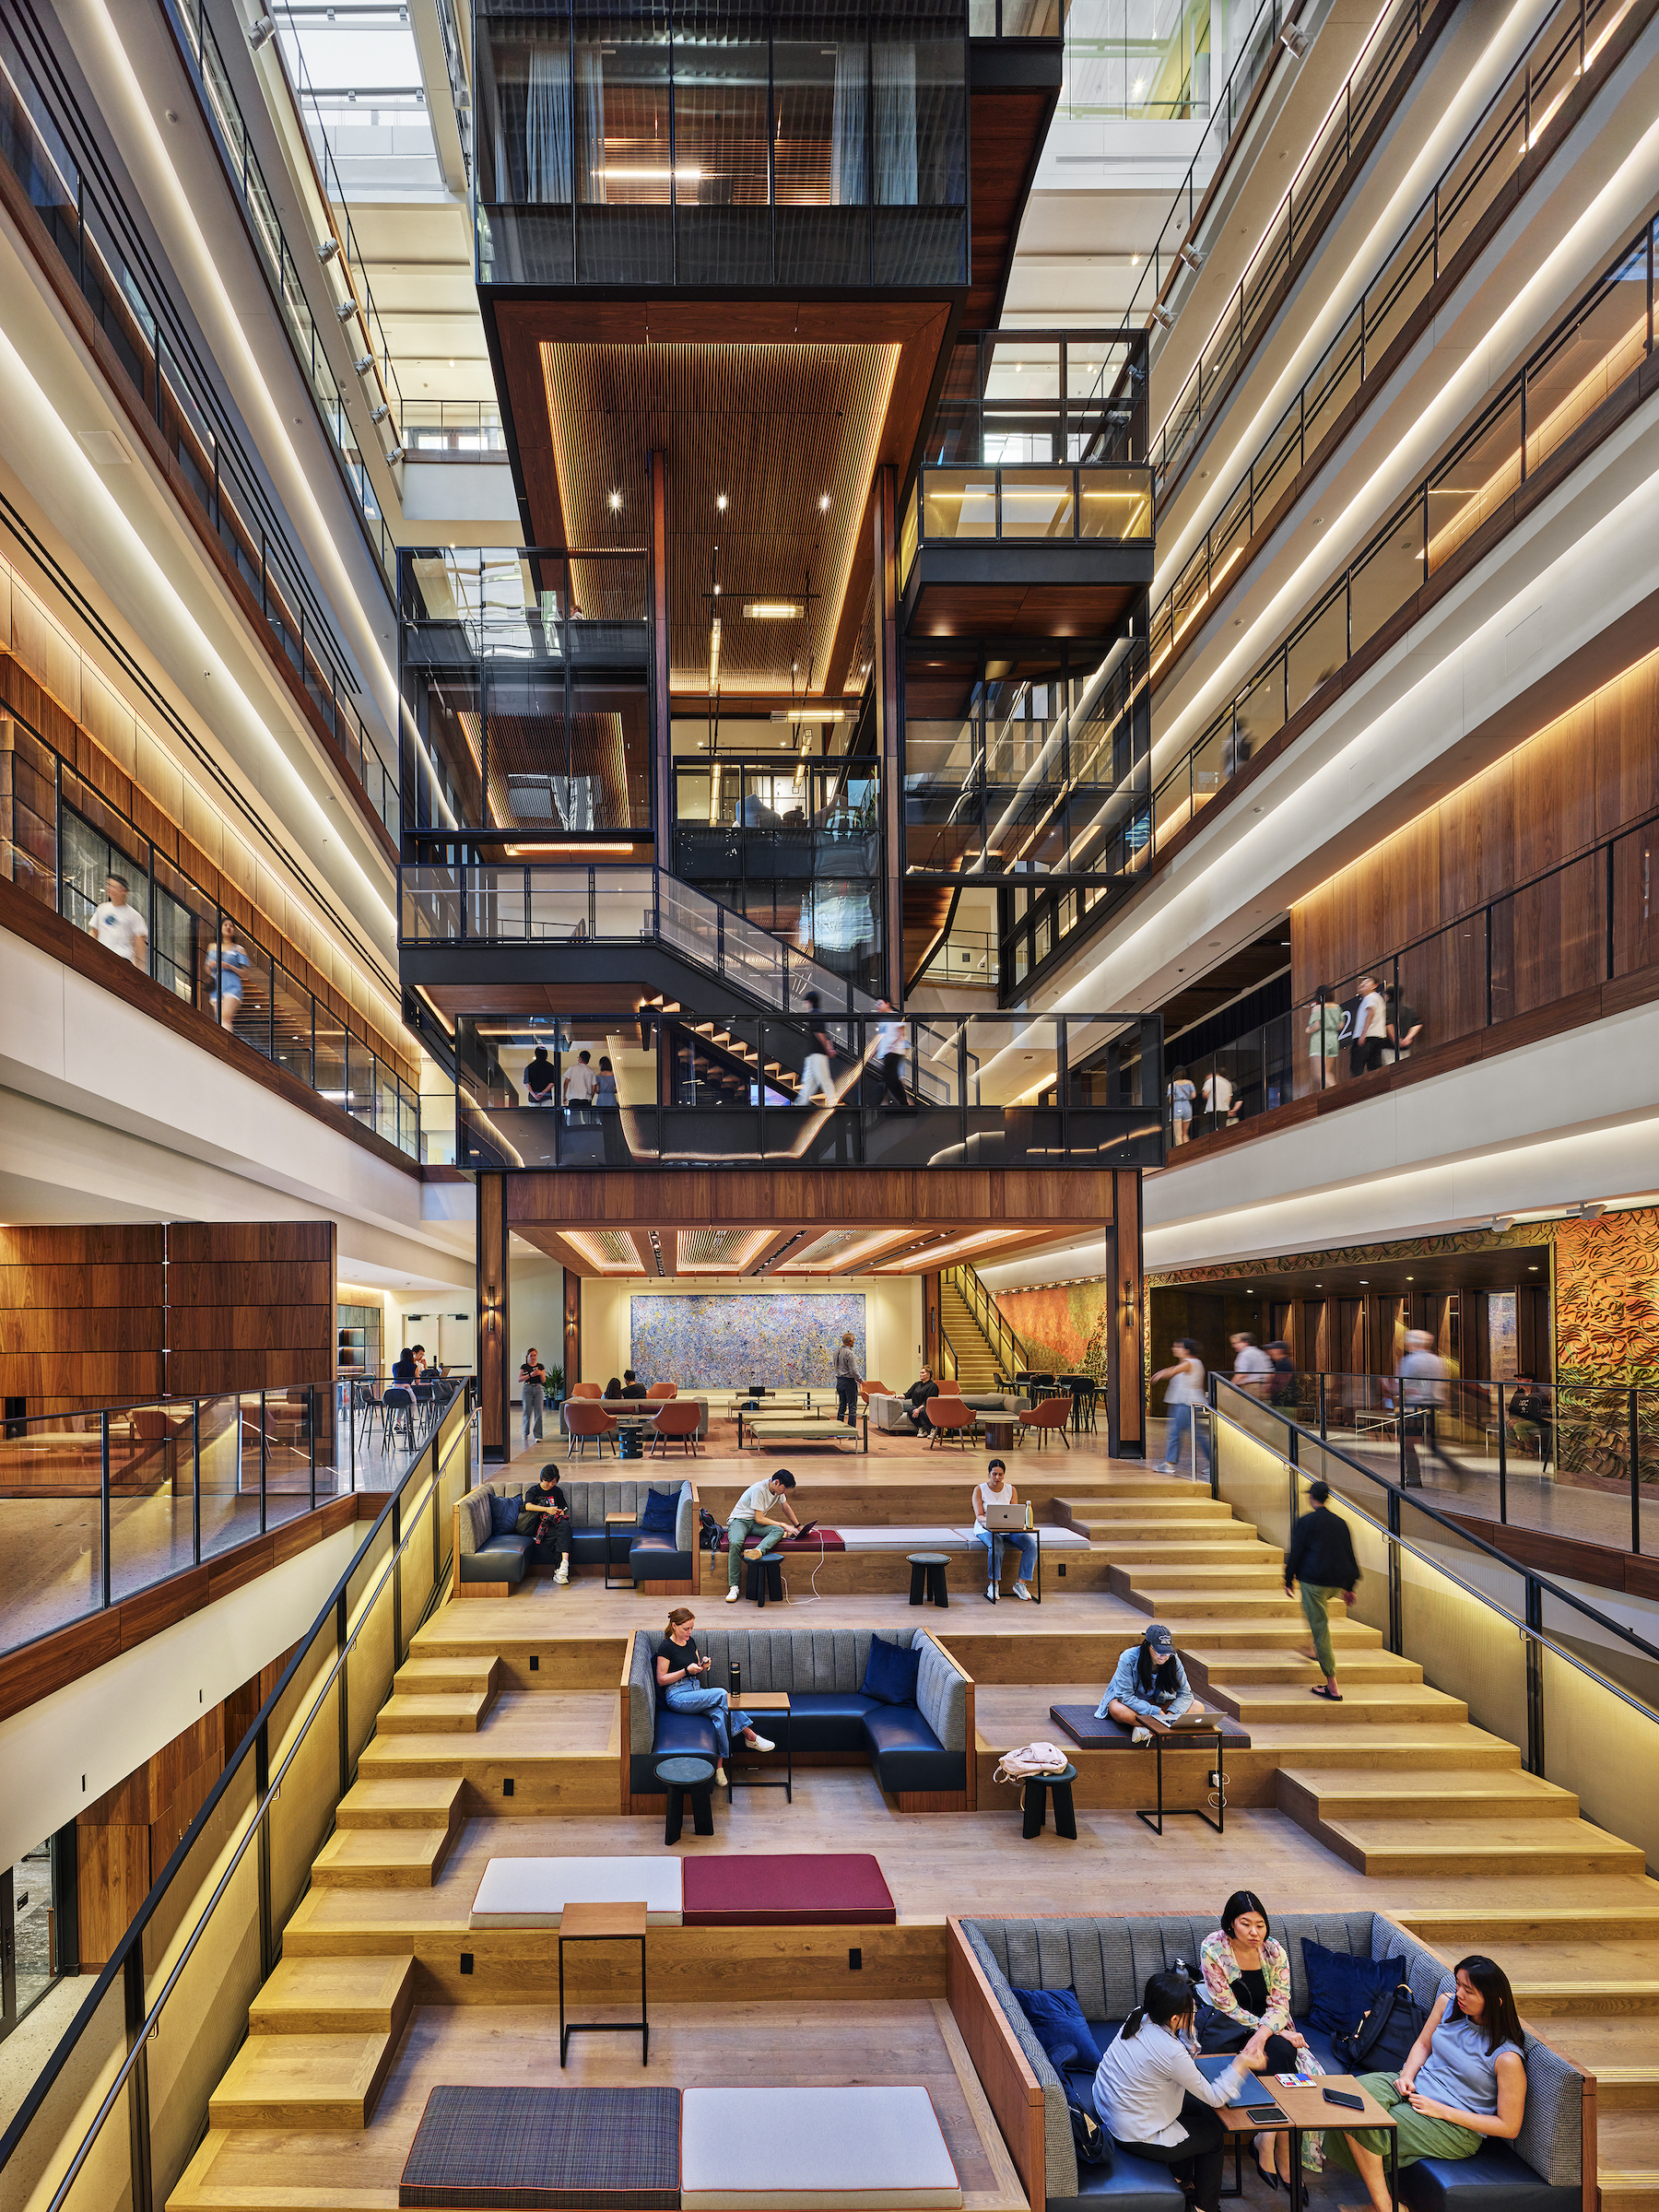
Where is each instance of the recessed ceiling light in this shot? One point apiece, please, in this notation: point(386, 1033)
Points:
point(616, 502)
point(721, 503)
point(823, 502)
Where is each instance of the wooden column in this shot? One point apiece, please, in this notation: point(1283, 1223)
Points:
point(1128, 1410)
point(932, 1350)
point(495, 1319)
point(662, 750)
point(572, 1330)
point(890, 723)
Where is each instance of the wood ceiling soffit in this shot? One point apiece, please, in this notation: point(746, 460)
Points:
point(1040, 1199)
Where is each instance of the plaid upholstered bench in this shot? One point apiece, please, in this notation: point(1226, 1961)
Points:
point(546, 2150)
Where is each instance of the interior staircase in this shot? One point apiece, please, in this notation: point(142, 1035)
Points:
point(976, 1362)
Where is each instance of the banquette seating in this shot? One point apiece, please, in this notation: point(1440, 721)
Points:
point(892, 1415)
point(918, 1747)
point(491, 1559)
point(1106, 1964)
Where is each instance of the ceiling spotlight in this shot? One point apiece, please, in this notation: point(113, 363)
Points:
point(719, 503)
point(378, 414)
point(1500, 1222)
point(346, 310)
point(364, 362)
point(1294, 40)
point(328, 249)
point(1193, 257)
point(616, 502)
point(1592, 1210)
point(823, 502)
point(395, 455)
point(262, 31)
point(1161, 315)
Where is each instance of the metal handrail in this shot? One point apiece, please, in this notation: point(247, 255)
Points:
point(1010, 1350)
point(129, 1951)
point(1533, 1579)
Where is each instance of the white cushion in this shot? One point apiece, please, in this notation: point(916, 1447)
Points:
point(800, 2150)
point(944, 1539)
point(533, 1893)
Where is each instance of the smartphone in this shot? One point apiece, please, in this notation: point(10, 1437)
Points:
point(1264, 2110)
point(1354, 2104)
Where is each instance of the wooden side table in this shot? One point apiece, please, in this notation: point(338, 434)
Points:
point(615, 1521)
point(1303, 2111)
point(603, 1924)
point(773, 1704)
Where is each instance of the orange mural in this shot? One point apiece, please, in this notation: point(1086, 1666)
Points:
point(1064, 1328)
point(1607, 1290)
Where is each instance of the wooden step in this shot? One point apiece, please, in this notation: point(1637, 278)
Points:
point(381, 1858)
point(310, 2081)
point(203, 2188)
point(1628, 2188)
point(1181, 1551)
point(1459, 1925)
point(1362, 1702)
point(335, 1997)
point(1426, 1795)
point(1463, 1847)
point(1566, 1999)
point(1627, 2145)
point(409, 1801)
point(1627, 2088)
point(440, 1713)
point(1237, 1668)
point(1250, 1575)
point(1188, 1505)
point(1206, 1633)
point(1225, 1603)
point(424, 1675)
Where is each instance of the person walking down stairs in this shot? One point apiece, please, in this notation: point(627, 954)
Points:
point(1321, 1558)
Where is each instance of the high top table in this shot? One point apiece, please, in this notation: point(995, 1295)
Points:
point(603, 1924)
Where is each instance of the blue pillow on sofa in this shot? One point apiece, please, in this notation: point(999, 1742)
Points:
point(660, 1508)
point(1340, 1986)
point(1057, 2021)
point(503, 1514)
point(891, 1673)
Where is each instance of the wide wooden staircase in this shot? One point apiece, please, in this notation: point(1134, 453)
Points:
point(1398, 1782)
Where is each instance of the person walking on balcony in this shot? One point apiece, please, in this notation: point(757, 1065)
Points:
point(118, 927)
point(847, 1379)
point(227, 963)
point(1182, 1091)
point(1365, 1050)
point(817, 1078)
point(892, 1049)
point(1321, 1558)
point(1422, 1395)
point(1182, 1399)
point(1325, 1039)
point(605, 1083)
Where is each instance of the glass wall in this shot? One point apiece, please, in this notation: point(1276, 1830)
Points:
point(731, 144)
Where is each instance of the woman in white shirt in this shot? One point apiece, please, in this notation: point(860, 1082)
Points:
point(1154, 2101)
point(1185, 1393)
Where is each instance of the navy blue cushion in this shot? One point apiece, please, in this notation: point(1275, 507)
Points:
point(683, 1732)
point(1057, 2022)
point(891, 1673)
point(662, 1508)
point(1131, 2184)
point(829, 1720)
point(499, 1560)
point(907, 1755)
point(1496, 2179)
point(503, 1514)
point(1340, 1987)
point(655, 1559)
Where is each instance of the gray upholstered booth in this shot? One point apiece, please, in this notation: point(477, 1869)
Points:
point(488, 1564)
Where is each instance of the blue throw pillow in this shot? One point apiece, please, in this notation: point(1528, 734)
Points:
point(891, 1673)
point(659, 1512)
point(1340, 1987)
point(503, 1514)
point(1056, 2021)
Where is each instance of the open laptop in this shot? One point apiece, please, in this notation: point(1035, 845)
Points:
point(1003, 1512)
point(1190, 1720)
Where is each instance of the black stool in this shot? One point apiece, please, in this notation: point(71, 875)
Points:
point(1036, 1803)
point(764, 1579)
point(685, 1776)
point(927, 1578)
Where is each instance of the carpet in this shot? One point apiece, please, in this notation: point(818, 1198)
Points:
point(613, 2150)
point(757, 1889)
point(1081, 1725)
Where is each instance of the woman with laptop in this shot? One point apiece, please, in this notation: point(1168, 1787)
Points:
point(996, 1522)
point(1150, 1684)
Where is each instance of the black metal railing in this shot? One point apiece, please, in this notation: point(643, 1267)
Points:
point(1007, 1347)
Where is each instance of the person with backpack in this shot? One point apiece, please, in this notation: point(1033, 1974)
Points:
point(1464, 2081)
point(1321, 1558)
point(1153, 2099)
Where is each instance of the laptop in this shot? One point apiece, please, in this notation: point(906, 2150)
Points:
point(1003, 1512)
point(1190, 1720)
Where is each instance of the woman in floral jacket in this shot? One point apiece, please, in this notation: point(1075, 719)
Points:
point(1247, 1985)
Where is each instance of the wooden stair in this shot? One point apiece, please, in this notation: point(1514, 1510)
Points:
point(437, 1713)
point(381, 1858)
point(303, 2081)
point(402, 1801)
point(335, 1997)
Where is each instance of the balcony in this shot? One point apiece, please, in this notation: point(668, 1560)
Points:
point(1032, 513)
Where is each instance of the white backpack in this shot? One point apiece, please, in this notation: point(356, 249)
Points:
point(1030, 1759)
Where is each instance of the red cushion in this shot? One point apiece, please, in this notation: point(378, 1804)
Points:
point(786, 1890)
point(829, 1538)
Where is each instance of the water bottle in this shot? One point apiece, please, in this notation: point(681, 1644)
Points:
point(734, 1681)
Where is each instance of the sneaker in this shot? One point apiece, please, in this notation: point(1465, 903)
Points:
point(750, 1552)
point(1141, 1736)
point(760, 1743)
point(1020, 1591)
point(720, 1778)
point(564, 1572)
point(732, 1594)
point(991, 1591)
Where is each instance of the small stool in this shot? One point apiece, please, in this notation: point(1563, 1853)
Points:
point(927, 1578)
point(764, 1579)
point(1036, 1803)
point(685, 1776)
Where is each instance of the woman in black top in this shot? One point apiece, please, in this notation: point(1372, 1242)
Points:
point(680, 1672)
point(545, 1515)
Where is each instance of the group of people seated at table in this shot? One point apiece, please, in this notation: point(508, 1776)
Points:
point(1464, 2079)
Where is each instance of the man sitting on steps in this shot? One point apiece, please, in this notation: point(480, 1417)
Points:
point(755, 1508)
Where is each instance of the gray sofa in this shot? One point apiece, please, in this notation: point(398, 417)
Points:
point(892, 1415)
point(482, 1557)
point(1107, 1963)
point(912, 1748)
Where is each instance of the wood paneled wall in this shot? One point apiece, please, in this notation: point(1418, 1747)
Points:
point(250, 1305)
point(493, 1307)
point(81, 1317)
point(1579, 781)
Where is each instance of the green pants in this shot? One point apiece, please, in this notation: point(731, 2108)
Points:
point(1315, 1597)
point(740, 1528)
point(1419, 2137)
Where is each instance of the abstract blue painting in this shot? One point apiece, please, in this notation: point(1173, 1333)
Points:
point(722, 1343)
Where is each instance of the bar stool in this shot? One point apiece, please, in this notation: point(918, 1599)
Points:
point(927, 1578)
point(764, 1579)
point(683, 1776)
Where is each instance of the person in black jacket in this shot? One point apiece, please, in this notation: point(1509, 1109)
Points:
point(545, 1515)
point(1321, 1558)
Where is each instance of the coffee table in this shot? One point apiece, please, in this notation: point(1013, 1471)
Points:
point(799, 1428)
point(603, 1924)
point(770, 1704)
point(1305, 2111)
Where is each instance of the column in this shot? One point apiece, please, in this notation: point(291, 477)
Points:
point(889, 725)
point(662, 768)
point(495, 1320)
point(1127, 1409)
point(572, 1330)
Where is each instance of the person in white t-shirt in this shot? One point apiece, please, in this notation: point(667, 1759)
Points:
point(758, 1507)
point(1182, 1399)
point(581, 1083)
point(1365, 1047)
point(1252, 1367)
point(119, 927)
point(1217, 1098)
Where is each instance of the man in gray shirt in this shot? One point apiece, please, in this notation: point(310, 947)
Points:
point(1423, 1393)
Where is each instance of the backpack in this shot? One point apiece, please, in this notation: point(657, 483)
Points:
point(1032, 1759)
point(1381, 2041)
point(708, 1530)
point(1090, 2139)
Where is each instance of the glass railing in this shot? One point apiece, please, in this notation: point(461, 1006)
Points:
point(1017, 19)
point(1314, 191)
point(649, 1085)
point(1607, 335)
point(1585, 922)
point(964, 505)
point(60, 841)
point(78, 224)
point(435, 428)
point(118, 2109)
point(277, 259)
point(1536, 1665)
point(1565, 49)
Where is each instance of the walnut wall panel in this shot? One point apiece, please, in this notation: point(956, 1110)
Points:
point(250, 1305)
point(81, 1321)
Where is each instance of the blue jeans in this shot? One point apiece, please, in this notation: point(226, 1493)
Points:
point(714, 1702)
point(1180, 1427)
point(994, 1540)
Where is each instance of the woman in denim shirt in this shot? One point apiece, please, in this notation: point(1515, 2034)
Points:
point(1150, 1680)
